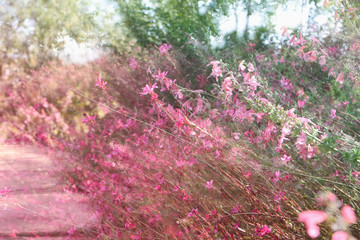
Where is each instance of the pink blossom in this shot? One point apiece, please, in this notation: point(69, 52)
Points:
point(193, 212)
point(333, 113)
point(301, 103)
point(160, 75)
point(164, 48)
point(209, 184)
point(226, 86)
point(322, 60)
point(241, 66)
point(4, 193)
point(148, 90)
point(133, 64)
point(285, 158)
point(100, 83)
point(88, 118)
point(339, 235)
point(216, 70)
point(311, 219)
point(340, 78)
point(263, 230)
point(251, 68)
point(348, 214)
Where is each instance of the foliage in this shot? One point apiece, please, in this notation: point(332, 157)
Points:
point(31, 30)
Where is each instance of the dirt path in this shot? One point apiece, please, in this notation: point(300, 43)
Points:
point(37, 207)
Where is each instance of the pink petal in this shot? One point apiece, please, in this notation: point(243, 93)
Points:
point(312, 217)
point(313, 230)
point(339, 235)
point(348, 214)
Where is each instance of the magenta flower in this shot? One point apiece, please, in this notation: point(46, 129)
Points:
point(311, 219)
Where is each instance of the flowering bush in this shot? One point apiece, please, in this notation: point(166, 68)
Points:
point(167, 149)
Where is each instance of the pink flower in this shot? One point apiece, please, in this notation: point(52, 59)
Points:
point(88, 118)
point(160, 75)
point(322, 60)
point(241, 66)
point(209, 184)
point(148, 90)
point(263, 230)
point(339, 235)
point(285, 158)
point(193, 212)
point(301, 104)
point(133, 64)
point(340, 78)
point(216, 70)
point(277, 176)
point(311, 219)
point(348, 214)
point(226, 86)
point(100, 83)
point(251, 68)
point(4, 193)
point(164, 48)
point(333, 113)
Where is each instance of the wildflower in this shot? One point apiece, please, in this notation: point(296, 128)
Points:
point(252, 45)
point(241, 66)
point(340, 78)
point(209, 184)
point(193, 212)
point(164, 48)
point(348, 214)
point(133, 64)
point(339, 235)
point(322, 60)
point(301, 103)
point(251, 68)
point(148, 90)
point(100, 83)
point(277, 176)
point(311, 219)
point(226, 86)
point(333, 113)
point(4, 193)
point(216, 70)
point(88, 118)
point(160, 75)
point(263, 230)
point(285, 158)
point(285, 31)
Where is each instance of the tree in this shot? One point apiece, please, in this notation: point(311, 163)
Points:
point(32, 29)
point(159, 21)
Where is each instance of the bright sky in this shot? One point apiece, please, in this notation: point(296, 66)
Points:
point(291, 16)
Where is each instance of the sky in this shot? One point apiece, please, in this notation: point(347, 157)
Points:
point(290, 16)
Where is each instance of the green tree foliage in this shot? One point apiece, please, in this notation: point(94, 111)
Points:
point(156, 21)
point(32, 29)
